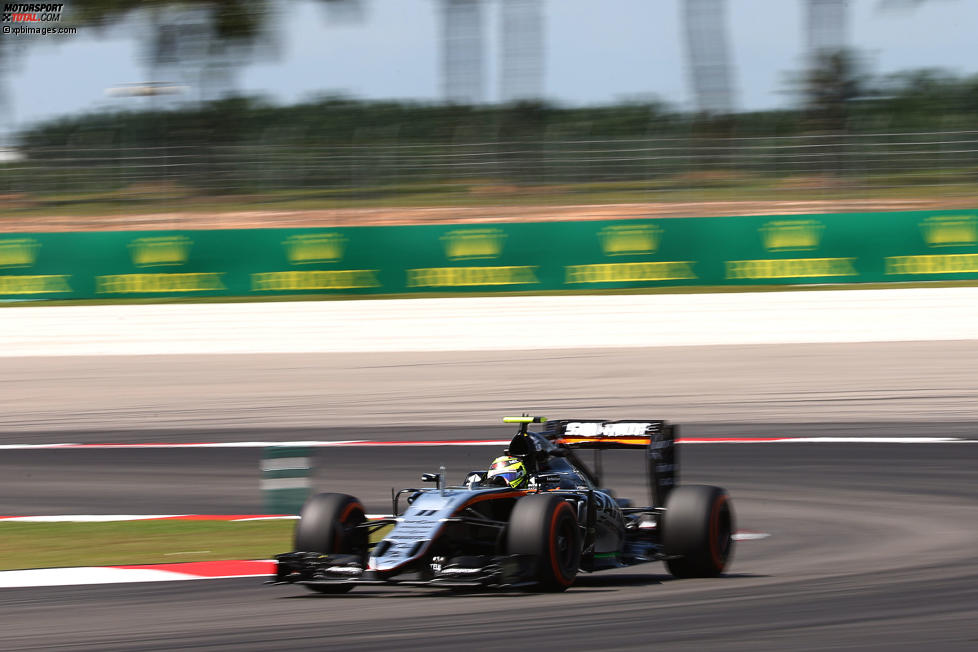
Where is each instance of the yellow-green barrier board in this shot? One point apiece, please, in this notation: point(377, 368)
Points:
point(841, 248)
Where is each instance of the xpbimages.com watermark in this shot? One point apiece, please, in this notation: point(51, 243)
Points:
point(33, 18)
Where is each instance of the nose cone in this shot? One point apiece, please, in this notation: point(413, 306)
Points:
point(420, 524)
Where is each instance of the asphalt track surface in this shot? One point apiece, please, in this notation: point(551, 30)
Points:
point(871, 546)
point(226, 480)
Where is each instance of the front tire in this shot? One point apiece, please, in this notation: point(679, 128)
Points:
point(545, 527)
point(328, 524)
point(698, 525)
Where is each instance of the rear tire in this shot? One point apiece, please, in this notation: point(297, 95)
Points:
point(327, 525)
point(545, 527)
point(698, 525)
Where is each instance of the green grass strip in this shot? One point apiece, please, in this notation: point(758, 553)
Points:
point(52, 545)
point(48, 545)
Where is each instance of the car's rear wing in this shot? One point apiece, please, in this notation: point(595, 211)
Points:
point(594, 433)
point(657, 437)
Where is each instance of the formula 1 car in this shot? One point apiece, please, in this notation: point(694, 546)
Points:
point(538, 537)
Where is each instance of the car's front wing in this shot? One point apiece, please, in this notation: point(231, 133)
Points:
point(507, 571)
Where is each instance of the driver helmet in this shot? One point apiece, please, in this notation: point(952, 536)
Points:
point(507, 470)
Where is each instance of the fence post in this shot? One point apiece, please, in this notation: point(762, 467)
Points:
point(285, 478)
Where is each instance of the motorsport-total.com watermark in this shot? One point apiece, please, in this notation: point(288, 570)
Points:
point(33, 18)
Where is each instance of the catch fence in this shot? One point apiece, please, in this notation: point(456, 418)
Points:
point(823, 164)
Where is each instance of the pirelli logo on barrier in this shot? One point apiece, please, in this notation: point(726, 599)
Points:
point(467, 245)
point(950, 230)
point(312, 248)
point(440, 277)
point(159, 283)
point(35, 284)
point(21, 253)
point(673, 270)
point(791, 268)
point(790, 235)
point(941, 231)
point(169, 250)
point(933, 264)
point(630, 240)
point(160, 251)
point(323, 279)
point(473, 244)
point(304, 249)
point(18, 252)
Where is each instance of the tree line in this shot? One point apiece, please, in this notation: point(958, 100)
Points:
point(836, 102)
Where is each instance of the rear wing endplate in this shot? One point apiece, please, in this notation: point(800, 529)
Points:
point(657, 437)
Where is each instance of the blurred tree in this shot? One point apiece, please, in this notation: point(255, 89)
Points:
point(834, 80)
point(926, 96)
point(206, 39)
point(7, 56)
point(233, 20)
point(922, 100)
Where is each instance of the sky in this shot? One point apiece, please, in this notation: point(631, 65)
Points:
point(596, 52)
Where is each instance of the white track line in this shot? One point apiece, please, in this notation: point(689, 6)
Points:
point(487, 442)
point(749, 536)
point(85, 575)
point(85, 518)
point(137, 573)
point(111, 518)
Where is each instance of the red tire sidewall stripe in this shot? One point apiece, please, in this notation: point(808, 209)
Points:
point(558, 573)
point(350, 508)
point(714, 527)
point(346, 513)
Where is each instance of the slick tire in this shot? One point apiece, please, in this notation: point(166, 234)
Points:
point(545, 527)
point(698, 525)
point(327, 524)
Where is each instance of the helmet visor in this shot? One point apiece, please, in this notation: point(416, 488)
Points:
point(512, 478)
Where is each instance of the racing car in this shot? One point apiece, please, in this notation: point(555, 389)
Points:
point(538, 537)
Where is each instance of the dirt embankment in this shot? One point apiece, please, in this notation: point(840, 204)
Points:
point(465, 215)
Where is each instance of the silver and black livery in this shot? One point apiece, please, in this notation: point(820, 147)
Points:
point(540, 536)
